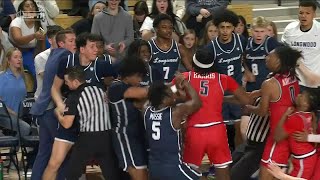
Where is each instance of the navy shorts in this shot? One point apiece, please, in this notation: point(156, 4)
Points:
point(67, 135)
point(178, 172)
point(231, 112)
point(130, 150)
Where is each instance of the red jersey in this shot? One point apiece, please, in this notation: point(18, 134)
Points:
point(299, 121)
point(211, 90)
point(289, 89)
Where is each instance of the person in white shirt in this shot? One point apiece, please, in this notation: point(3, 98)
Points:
point(304, 35)
point(48, 7)
point(41, 59)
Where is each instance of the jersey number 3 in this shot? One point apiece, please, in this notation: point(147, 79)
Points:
point(156, 130)
point(204, 87)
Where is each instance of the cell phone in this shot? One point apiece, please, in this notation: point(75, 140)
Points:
point(42, 30)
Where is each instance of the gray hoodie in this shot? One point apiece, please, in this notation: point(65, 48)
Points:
point(193, 6)
point(114, 29)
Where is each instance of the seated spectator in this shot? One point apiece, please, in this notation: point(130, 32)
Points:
point(165, 7)
point(25, 33)
point(7, 14)
point(272, 30)
point(115, 26)
point(4, 39)
point(49, 8)
point(13, 89)
point(210, 32)
point(200, 12)
point(242, 27)
point(140, 12)
point(85, 25)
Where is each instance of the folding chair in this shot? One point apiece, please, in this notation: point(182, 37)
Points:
point(28, 141)
point(9, 141)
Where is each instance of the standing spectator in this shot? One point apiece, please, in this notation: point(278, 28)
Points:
point(117, 36)
point(25, 33)
point(162, 7)
point(272, 30)
point(41, 59)
point(242, 27)
point(190, 41)
point(4, 38)
point(304, 35)
point(140, 13)
point(85, 25)
point(7, 14)
point(48, 8)
point(210, 32)
point(43, 108)
point(201, 12)
point(13, 90)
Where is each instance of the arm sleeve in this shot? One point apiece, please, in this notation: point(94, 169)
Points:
point(71, 105)
point(51, 8)
point(39, 64)
point(129, 34)
point(192, 7)
point(293, 124)
point(284, 39)
point(228, 83)
point(95, 26)
point(220, 4)
point(16, 23)
point(9, 7)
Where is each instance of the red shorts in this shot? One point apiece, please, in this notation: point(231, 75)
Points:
point(276, 152)
point(212, 141)
point(316, 172)
point(304, 167)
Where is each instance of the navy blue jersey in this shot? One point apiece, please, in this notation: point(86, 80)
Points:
point(166, 62)
point(151, 76)
point(228, 57)
point(125, 117)
point(256, 56)
point(163, 138)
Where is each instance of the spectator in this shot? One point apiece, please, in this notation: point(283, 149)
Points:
point(165, 7)
point(242, 27)
point(210, 32)
point(117, 36)
point(13, 89)
point(272, 30)
point(41, 59)
point(25, 33)
point(7, 14)
point(49, 8)
point(140, 12)
point(190, 41)
point(85, 25)
point(201, 12)
point(4, 39)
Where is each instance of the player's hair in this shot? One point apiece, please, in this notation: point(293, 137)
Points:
point(245, 30)
point(308, 3)
point(76, 73)
point(83, 38)
point(159, 18)
point(288, 60)
point(61, 35)
point(157, 92)
point(132, 65)
point(314, 99)
point(225, 16)
point(260, 22)
point(204, 56)
point(135, 46)
point(53, 30)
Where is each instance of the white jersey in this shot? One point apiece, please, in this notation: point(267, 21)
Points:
point(307, 42)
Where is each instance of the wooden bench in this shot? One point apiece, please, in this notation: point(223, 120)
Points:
point(244, 10)
point(64, 4)
point(66, 21)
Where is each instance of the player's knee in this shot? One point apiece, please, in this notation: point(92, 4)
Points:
point(54, 164)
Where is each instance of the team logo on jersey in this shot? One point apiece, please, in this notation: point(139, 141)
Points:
point(154, 53)
point(262, 48)
point(89, 80)
point(238, 49)
point(174, 50)
point(156, 116)
point(91, 68)
point(219, 54)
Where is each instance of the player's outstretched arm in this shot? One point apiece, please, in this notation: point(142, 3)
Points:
point(136, 93)
point(312, 78)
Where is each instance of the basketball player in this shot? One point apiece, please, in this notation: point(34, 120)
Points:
point(163, 123)
point(277, 94)
point(166, 53)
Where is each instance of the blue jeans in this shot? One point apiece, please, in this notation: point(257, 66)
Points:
point(48, 126)
point(24, 127)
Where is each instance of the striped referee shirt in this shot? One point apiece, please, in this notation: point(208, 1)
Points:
point(89, 105)
point(258, 127)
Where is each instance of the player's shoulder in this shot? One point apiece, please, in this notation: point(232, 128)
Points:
point(293, 26)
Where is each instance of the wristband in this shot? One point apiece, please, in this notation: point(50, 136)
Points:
point(174, 88)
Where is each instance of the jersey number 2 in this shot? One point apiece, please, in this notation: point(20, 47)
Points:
point(230, 70)
point(156, 130)
point(204, 87)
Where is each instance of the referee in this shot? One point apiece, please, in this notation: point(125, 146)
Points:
point(247, 156)
point(90, 109)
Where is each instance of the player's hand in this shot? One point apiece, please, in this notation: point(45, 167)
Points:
point(205, 13)
point(276, 171)
point(289, 111)
point(179, 77)
point(301, 136)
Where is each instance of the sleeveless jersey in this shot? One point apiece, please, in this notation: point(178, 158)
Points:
point(164, 140)
point(289, 89)
point(211, 91)
point(166, 62)
point(255, 59)
point(227, 57)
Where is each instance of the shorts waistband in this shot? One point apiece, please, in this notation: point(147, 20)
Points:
point(304, 155)
point(206, 125)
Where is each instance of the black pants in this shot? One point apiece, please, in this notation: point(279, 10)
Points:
point(97, 145)
point(246, 160)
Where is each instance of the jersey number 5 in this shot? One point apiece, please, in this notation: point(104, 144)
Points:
point(156, 130)
point(204, 87)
